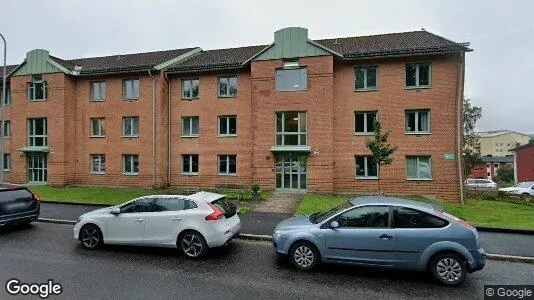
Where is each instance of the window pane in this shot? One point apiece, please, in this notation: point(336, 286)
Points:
point(223, 86)
point(372, 169)
point(186, 89)
point(291, 140)
point(194, 88)
point(423, 121)
point(186, 162)
point(222, 163)
point(194, 125)
point(303, 78)
point(232, 164)
point(135, 126)
point(291, 122)
point(232, 86)
point(279, 117)
point(410, 121)
point(360, 122)
point(232, 126)
point(360, 166)
point(368, 216)
point(424, 74)
point(409, 218)
point(411, 167)
point(223, 128)
point(39, 91)
point(410, 75)
point(135, 92)
point(302, 140)
point(302, 117)
point(194, 163)
point(371, 77)
point(360, 75)
point(424, 167)
point(371, 116)
point(135, 159)
point(186, 126)
point(169, 204)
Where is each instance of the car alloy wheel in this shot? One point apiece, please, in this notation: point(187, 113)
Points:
point(304, 256)
point(449, 269)
point(193, 245)
point(90, 237)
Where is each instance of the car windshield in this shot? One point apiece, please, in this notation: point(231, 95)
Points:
point(523, 185)
point(320, 216)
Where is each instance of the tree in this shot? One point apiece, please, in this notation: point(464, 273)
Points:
point(471, 114)
point(381, 149)
point(505, 174)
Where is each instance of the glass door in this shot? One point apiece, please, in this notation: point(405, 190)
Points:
point(291, 172)
point(37, 164)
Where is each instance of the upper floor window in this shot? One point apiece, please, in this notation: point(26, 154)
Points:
point(37, 132)
point(190, 126)
point(418, 75)
point(130, 89)
point(8, 96)
point(97, 127)
point(130, 126)
point(98, 90)
point(291, 129)
point(190, 88)
point(227, 164)
point(418, 121)
point(418, 167)
point(365, 78)
point(291, 79)
point(228, 86)
point(37, 89)
point(228, 125)
point(7, 129)
point(364, 121)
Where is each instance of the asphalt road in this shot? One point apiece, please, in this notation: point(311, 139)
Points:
point(264, 223)
point(245, 270)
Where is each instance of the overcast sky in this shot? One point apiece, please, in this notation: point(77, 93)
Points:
point(499, 71)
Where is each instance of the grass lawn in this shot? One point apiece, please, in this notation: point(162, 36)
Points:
point(113, 196)
point(477, 211)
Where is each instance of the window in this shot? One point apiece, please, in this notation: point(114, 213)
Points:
point(97, 127)
point(496, 165)
point(295, 79)
point(410, 218)
point(7, 129)
point(98, 90)
point(418, 167)
point(7, 161)
point(37, 89)
point(190, 88)
point(98, 163)
point(365, 79)
point(8, 96)
point(37, 132)
point(130, 89)
point(130, 165)
point(364, 122)
point(140, 205)
point(417, 121)
point(367, 216)
point(190, 164)
point(366, 167)
point(190, 127)
point(227, 164)
point(173, 204)
point(418, 75)
point(228, 86)
point(228, 125)
point(130, 126)
point(291, 129)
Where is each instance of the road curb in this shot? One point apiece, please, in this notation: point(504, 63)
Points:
point(255, 237)
point(505, 230)
point(510, 258)
point(56, 221)
point(74, 203)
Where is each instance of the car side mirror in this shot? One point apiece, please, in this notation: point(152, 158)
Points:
point(115, 211)
point(334, 225)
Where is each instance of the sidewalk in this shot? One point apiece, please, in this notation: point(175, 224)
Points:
point(264, 222)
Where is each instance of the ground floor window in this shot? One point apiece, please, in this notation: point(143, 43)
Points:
point(7, 161)
point(227, 164)
point(130, 164)
point(98, 163)
point(291, 171)
point(418, 167)
point(190, 164)
point(366, 167)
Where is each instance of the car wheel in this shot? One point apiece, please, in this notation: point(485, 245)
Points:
point(449, 269)
point(91, 237)
point(304, 256)
point(192, 244)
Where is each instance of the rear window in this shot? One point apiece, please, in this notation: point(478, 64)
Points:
point(15, 195)
point(411, 218)
point(229, 209)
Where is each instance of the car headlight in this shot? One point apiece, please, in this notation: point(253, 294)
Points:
point(278, 233)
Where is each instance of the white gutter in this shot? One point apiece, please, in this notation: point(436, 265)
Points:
point(153, 129)
point(460, 92)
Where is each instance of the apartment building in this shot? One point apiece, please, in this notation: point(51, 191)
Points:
point(290, 115)
point(499, 142)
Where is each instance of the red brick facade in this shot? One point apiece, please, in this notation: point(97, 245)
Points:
point(524, 162)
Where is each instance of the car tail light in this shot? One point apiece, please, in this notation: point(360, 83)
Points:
point(215, 215)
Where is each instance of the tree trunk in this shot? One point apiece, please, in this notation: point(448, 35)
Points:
point(378, 181)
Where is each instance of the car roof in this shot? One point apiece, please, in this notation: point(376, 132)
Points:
point(395, 201)
point(207, 197)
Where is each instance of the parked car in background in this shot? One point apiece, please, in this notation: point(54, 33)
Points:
point(480, 183)
point(383, 232)
point(522, 188)
point(18, 205)
point(191, 223)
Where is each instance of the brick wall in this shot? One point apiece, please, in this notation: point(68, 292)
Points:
point(525, 164)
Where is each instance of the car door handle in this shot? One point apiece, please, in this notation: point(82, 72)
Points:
point(385, 237)
point(138, 220)
point(176, 219)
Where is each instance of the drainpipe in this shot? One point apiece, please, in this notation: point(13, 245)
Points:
point(153, 129)
point(460, 86)
point(169, 128)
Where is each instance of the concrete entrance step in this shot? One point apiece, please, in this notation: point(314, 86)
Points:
point(281, 202)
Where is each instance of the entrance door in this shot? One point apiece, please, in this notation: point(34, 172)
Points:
point(291, 172)
point(37, 168)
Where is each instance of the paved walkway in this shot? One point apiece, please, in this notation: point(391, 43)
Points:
point(280, 203)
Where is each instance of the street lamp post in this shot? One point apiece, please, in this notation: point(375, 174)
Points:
point(4, 92)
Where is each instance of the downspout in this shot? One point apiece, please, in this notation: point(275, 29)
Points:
point(168, 131)
point(460, 86)
point(153, 129)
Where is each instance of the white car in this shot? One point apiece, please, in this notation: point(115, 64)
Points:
point(522, 188)
point(192, 223)
point(480, 183)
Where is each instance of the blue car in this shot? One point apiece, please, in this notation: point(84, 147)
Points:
point(383, 232)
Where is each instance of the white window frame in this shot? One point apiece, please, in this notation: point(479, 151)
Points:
point(130, 88)
point(367, 160)
point(417, 68)
point(365, 116)
point(131, 128)
point(190, 80)
point(227, 118)
point(227, 157)
point(7, 162)
point(365, 86)
point(101, 132)
point(101, 163)
point(131, 163)
point(417, 157)
point(190, 120)
point(227, 78)
point(190, 167)
point(101, 89)
point(416, 129)
point(33, 136)
point(284, 133)
point(7, 129)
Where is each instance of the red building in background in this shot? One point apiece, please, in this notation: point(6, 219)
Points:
point(489, 166)
point(524, 163)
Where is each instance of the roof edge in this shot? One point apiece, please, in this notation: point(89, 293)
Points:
point(177, 59)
